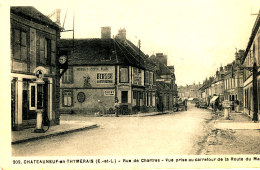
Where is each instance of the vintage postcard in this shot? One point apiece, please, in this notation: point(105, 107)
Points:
point(130, 84)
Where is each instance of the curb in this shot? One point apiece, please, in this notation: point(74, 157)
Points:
point(55, 134)
point(156, 114)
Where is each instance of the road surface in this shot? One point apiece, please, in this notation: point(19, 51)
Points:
point(177, 133)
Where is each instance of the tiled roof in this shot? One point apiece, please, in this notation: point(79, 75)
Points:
point(98, 52)
point(32, 14)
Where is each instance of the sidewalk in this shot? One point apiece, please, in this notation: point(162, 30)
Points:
point(238, 135)
point(146, 114)
point(64, 128)
point(237, 121)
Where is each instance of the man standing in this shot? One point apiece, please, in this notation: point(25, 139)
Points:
point(116, 106)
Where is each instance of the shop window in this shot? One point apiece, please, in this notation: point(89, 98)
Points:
point(67, 98)
point(20, 45)
point(123, 75)
point(67, 77)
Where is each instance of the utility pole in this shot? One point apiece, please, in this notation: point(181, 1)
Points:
point(255, 115)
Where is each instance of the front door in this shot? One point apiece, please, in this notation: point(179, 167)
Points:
point(124, 97)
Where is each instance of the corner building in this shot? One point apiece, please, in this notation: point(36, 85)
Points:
point(101, 70)
point(34, 40)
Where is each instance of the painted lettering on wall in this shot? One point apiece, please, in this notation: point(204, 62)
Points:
point(103, 78)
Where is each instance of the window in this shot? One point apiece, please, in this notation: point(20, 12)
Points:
point(67, 77)
point(123, 75)
point(53, 52)
point(45, 50)
point(67, 98)
point(146, 77)
point(151, 78)
point(20, 45)
point(81, 97)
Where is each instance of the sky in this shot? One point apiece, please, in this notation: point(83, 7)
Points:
point(198, 36)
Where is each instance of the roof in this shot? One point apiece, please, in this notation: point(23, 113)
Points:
point(33, 14)
point(253, 34)
point(98, 51)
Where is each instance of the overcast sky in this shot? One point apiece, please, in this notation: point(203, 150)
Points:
point(196, 35)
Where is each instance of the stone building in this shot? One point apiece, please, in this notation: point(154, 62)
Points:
point(167, 94)
point(102, 70)
point(251, 80)
point(233, 82)
point(33, 49)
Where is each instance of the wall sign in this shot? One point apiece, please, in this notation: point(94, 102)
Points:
point(104, 78)
point(81, 97)
point(109, 93)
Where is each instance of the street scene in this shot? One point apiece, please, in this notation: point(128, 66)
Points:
point(191, 132)
point(123, 83)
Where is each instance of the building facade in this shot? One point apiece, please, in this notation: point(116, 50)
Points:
point(251, 80)
point(103, 70)
point(233, 82)
point(34, 39)
point(167, 94)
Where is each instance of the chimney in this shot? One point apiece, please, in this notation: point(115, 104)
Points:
point(161, 58)
point(221, 68)
point(105, 32)
point(122, 34)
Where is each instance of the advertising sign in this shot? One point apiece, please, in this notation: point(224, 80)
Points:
point(109, 93)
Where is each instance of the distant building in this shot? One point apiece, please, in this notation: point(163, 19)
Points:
point(189, 91)
point(165, 81)
point(233, 82)
point(33, 47)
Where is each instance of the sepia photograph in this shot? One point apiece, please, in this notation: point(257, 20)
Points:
point(130, 84)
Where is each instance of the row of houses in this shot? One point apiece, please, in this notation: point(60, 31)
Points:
point(99, 71)
point(239, 81)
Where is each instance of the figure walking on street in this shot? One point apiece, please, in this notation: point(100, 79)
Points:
point(116, 106)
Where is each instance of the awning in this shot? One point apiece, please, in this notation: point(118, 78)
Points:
point(213, 99)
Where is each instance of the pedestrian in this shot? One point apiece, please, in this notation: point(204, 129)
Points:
point(116, 106)
point(185, 104)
